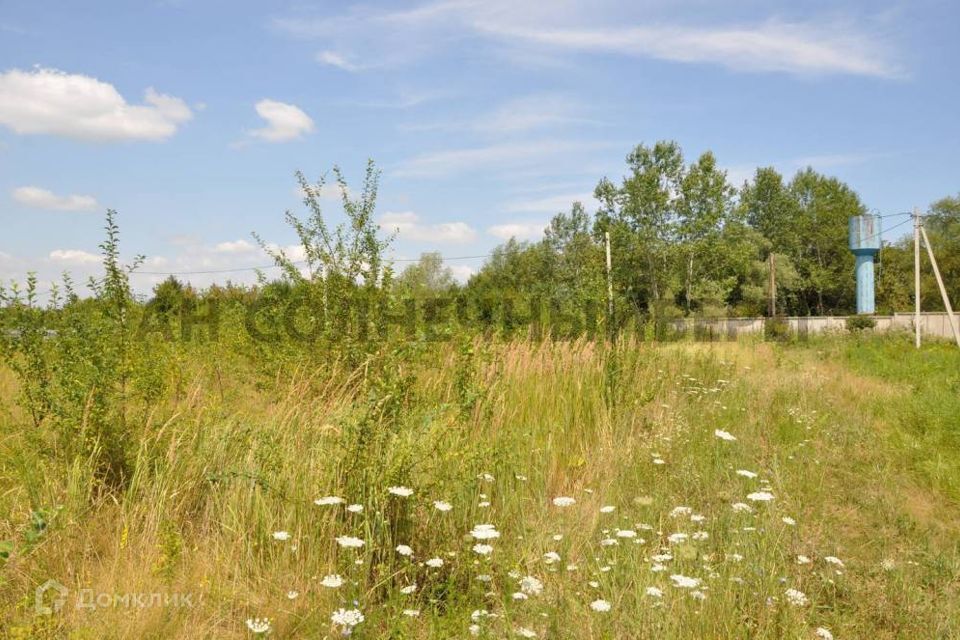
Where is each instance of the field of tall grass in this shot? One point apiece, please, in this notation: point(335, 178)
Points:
point(493, 489)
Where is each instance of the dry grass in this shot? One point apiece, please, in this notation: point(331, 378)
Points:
point(234, 456)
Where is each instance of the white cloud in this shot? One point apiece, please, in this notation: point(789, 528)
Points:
point(551, 204)
point(285, 122)
point(38, 198)
point(825, 44)
point(74, 256)
point(48, 101)
point(518, 115)
point(769, 46)
point(451, 161)
point(408, 226)
point(461, 272)
point(329, 191)
point(338, 60)
point(234, 246)
point(518, 230)
point(532, 112)
point(739, 173)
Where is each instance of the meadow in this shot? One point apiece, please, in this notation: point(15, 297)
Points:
point(493, 488)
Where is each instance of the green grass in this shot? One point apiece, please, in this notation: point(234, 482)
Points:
point(854, 439)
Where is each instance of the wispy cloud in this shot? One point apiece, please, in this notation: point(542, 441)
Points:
point(550, 204)
point(825, 45)
point(38, 198)
point(340, 61)
point(504, 156)
point(408, 226)
point(770, 46)
point(737, 174)
point(74, 257)
point(518, 230)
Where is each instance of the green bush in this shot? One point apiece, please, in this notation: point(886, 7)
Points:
point(859, 323)
point(776, 329)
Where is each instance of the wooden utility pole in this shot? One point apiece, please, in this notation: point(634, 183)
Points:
point(916, 275)
point(943, 289)
point(773, 286)
point(609, 279)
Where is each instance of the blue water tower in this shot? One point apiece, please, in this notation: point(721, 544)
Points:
point(865, 243)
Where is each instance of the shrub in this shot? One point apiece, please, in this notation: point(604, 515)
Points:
point(776, 329)
point(856, 324)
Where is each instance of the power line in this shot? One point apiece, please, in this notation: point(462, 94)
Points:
point(882, 231)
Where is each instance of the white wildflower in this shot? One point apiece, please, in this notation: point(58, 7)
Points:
point(436, 563)
point(746, 474)
point(684, 582)
point(724, 435)
point(346, 618)
point(531, 586)
point(328, 500)
point(600, 606)
point(404, 550)
point(440, 505)
point(350, 542)
point(355, 508)
point(258, 625)
point(403, 492)
point(563, 501)
point(551, 556)
point(654, 592)
point(760, 496)
point(482, 549)
point(796, 598)
point(484, 532)
point(332, 581)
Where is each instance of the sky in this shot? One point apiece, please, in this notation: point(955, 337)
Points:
point(486, 117)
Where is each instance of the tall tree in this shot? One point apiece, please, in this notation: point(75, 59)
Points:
point(703, 209)
point(641, 214)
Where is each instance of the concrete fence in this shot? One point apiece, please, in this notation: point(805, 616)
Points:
point(931, 324)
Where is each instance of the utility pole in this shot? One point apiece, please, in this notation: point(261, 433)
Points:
point(943, 289)
point(916, 274)
point(773, 286)
point(609, 279)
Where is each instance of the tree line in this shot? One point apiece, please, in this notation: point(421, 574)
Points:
point(685, 242)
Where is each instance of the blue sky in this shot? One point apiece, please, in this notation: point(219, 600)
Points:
point(190, 116)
